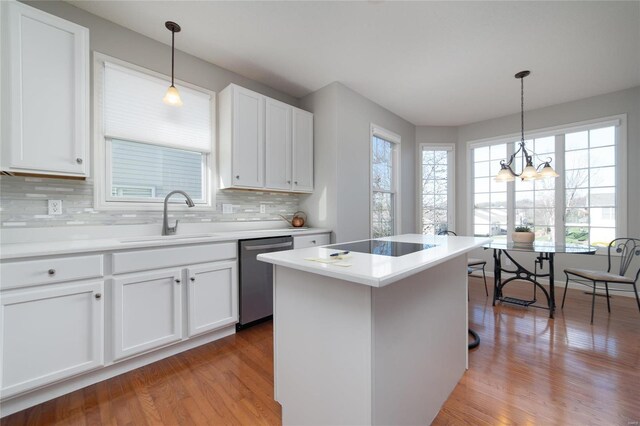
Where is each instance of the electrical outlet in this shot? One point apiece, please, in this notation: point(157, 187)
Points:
point(227, 208)
point(55, 207)
point(263, 208)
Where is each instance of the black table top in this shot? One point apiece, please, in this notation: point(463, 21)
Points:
point(381, 247)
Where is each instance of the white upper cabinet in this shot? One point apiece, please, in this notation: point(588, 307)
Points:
point(241, 138)
point(302, 169)
point(278, 144)
point(45, 88)
point(264, 143)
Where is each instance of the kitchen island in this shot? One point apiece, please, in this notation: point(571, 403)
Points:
point(377, 337)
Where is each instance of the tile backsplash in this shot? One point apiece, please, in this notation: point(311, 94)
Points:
point(23, 203)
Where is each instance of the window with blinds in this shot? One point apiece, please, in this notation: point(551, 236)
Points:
point(150, 148)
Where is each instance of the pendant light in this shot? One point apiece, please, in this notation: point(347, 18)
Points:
point(172, 97)
point(529, 172)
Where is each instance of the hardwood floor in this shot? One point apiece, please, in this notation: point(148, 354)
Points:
point(527, 370)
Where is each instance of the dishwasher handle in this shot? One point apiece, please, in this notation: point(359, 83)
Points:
point(268, 246)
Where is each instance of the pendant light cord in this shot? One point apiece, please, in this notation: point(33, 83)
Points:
point(173, 37)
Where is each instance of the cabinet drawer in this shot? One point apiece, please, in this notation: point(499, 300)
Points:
point(44, 271)
point(143, 260)
point(305, 241)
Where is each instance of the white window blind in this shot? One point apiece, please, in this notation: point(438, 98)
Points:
point(134, 111)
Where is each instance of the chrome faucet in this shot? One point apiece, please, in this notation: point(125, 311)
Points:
point(171, 230)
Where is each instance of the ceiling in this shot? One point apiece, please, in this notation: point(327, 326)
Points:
point(432, 63)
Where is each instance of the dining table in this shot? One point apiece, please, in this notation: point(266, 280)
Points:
point(545, 253)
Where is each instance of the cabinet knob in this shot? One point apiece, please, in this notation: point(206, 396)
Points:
point(178, 280)
point(98, 295)
point(192, 278)
point(79, 160)
point(51, 271)
point(288, 181)
point(295, 182)
point(237, 176)
point(313, 241)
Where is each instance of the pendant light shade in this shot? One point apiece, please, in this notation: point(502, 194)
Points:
point(172, 97)
point(529, 172)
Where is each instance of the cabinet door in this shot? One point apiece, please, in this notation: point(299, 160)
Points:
point(49, 334)
point(248, 138)
point(213, 296)
point(48, 80)
point(277, 144)
point(302, 150)
point(147, 311)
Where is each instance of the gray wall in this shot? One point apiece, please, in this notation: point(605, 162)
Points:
point(342, 149)
point(24, 200)
point(321, 205)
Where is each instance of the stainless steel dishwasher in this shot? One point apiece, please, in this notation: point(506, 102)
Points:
point(256, 279)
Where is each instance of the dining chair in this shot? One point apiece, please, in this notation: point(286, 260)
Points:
point(628, 249)
point(472, 264)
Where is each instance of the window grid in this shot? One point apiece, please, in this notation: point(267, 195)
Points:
point(490, 197)
point(383, 192)
point(590, 187)
point(434, 190)
point(587, 184)
point(535, 200)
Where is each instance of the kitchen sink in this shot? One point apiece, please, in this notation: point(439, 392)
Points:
point(160, 238)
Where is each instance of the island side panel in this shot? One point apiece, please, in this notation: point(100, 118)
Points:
point(420, 343)
point(322, 340)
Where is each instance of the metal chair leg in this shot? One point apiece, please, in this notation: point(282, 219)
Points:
point(484, 277)
point(564, 296)
point(606, 286)
point(637, 298)
point(593, 301)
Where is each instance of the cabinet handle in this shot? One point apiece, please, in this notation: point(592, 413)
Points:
point(98, 295)
point(51, 271)
point(178, 280)
point(79, 160)
point(192, 278)
point(237, 176)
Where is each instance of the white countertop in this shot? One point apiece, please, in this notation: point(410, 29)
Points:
point(377, 270)
point(47, 248)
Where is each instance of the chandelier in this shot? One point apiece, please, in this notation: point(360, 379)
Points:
point(529, 172)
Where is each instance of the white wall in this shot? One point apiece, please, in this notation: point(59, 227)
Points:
point(342, 148)
point(321, 205)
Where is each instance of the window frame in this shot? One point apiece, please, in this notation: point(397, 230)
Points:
point(618, 121)
point(451, 184)
point(101, 154)
point(395, 140)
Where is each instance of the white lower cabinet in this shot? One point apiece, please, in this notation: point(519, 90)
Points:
point(212, 296)
point(50, 333)
point(147, 311)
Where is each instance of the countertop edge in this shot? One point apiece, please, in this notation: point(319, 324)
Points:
point(14, 251)
point(328, 271)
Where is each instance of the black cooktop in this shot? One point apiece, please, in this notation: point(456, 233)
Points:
point(381, 247)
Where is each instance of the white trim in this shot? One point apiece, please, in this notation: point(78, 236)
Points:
point(385, 134)
point(100, 154)
point(620, 123)
point(451, 183)
point(614, 120)
point(395, 139)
